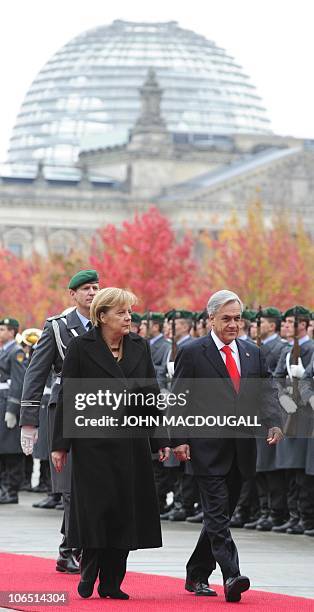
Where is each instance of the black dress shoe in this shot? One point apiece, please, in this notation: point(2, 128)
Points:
point(197, 518)
point(26, 486)
point(237, 520)
point(9, 498)
point(68, 565)
point(48, 502)
point(309, 532)
point(297, 529)
point(103, 592)
point(40, 488)
point(179, 514)
point(291, 523)
point(164, 516)
point(233, 587)
point(199, 587)
point(251, 524)
point(85, 589)
point(264, 524)
point(59, 506)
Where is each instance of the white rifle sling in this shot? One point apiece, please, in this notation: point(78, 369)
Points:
point(73, 331)
point(59, 343)
point(288, 365)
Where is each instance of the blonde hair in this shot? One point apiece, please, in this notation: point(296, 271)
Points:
point(107, 298)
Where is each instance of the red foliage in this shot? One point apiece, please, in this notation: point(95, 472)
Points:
point(145, 257)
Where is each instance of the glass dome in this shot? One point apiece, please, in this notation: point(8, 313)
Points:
point(87, 95)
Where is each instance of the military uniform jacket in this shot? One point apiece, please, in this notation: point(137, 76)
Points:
point(306, 387)
point(293, 453)
point(272, 351)
point(159, 352)
point(13, 363)
point(266, 455)
point(47, 356)
point(281, 371)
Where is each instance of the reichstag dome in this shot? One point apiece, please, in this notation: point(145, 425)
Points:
point(87, 95)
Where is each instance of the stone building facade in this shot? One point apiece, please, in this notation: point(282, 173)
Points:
point(48, 209)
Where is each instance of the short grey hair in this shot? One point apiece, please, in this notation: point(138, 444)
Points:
point(220, 298)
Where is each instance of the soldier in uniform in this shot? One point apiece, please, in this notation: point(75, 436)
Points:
point(270, 483)
point(248, 316)
point(247, 505)
point(292, 456)
point(49, 354)
point(202, 320)
point(185, 487)
point(136, 321)
point(12, 370)
point(159, 346)
point(306, 388)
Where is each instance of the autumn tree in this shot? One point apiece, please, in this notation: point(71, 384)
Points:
point(269, 266)
point(33, 289)
point(146, 257)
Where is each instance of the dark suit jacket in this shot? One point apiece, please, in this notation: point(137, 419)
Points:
point(201, 360)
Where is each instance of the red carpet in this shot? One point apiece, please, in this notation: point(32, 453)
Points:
point(20, 573)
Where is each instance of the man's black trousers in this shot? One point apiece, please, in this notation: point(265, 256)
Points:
point(219, 497)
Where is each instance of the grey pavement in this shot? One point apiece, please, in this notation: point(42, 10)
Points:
point(278, 563)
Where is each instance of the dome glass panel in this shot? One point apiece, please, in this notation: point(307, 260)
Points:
point(88, 92)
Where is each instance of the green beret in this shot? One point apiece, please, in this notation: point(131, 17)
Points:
point(202, 316)
point(10, 322)
point(156, 317)
point(248, 315)
point(136, 318)
point(271, 313)
point(179, 314)
point(82, 277)
point(253, 315)
point(300, 311)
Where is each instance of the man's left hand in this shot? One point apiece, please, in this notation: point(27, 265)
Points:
point(274, 435)
point(164, 454)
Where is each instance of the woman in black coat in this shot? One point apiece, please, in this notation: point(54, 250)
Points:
point(114, 507)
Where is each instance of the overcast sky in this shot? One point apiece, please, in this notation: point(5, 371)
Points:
point(273, 40)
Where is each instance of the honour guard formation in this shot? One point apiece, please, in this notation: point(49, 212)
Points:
point(275, 493)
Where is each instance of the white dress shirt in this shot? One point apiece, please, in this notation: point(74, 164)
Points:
point(85, 321)
point(234, 349)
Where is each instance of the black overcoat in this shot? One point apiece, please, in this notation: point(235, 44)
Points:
point(113, 495)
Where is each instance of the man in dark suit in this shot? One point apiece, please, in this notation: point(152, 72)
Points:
point(221, 463)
